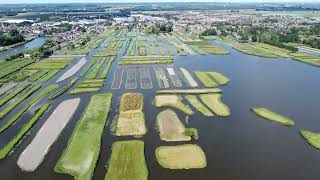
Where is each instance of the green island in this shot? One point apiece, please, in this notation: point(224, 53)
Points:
point(215, 104)
point(193, 100)
point(82, 152)
point(272, 116)
point(187, 156)
point(312, 138)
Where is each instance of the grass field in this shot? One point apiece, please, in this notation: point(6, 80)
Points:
point(31, 102)
point(206, 79)
point(172, 101)
point(105, 71)
point(188, 156)
point(272, 116)
point(207, 47)
point(145, 60)
point(21, 98)
point(190, 91)
point(219, 78)
point(193, 100)
point(312, 138)
point(80, 157)
point(215, 104)
point(12, 94)
point(62, 90)
point(127, 161)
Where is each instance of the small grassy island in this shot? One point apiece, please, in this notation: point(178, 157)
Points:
point(272, 116)
point(188, 156)
point(312, 138)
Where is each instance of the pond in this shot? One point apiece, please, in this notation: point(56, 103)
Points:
point(241, 146)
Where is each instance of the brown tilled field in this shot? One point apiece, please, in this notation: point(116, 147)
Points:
point(131, 101)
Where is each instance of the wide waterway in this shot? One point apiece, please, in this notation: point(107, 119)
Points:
point(36, 42)
point(242, 146)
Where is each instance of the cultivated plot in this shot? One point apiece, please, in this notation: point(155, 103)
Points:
point(36, 151)
point(190, 91)
point(214, 102)
point(145, 78)
point(117, 78)
point(193, 100)
point(161, 77)
point(131, 121)
point(172, 101)
point(131, 82)
point(127, 161)
point(174, 78)
point(188, 156)
point(170, 127)
point(82, 152)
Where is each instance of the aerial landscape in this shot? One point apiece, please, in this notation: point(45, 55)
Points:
point(121, 90)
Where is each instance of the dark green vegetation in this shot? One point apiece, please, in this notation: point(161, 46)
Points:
point(80, 157)
point(13, 94)
point(88, 85)
point(127, 161)
point(105, 71)
point(19, 100)
point(4, 151)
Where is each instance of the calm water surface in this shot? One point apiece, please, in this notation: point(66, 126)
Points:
point(242, 146)
point(37, 42)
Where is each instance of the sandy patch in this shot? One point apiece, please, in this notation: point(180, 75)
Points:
point(35, 152)
point(72, 70)
point(188, 76)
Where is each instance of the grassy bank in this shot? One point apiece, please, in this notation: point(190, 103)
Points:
point(193, 100)
point(190, 91)
point(127, 161)
point(62, 90)
point(312, 138)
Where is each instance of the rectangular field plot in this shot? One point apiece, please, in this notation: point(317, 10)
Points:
point(131, 120)
point(82, 152)
point(174, 78)
point(117, 79)
point(127, 161)
point(161, 77)
point(145, 78)
point(146, 60)
point(131, 82)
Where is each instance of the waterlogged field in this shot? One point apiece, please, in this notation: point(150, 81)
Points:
point(178, 111)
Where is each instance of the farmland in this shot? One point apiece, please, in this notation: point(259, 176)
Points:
point(134, 104)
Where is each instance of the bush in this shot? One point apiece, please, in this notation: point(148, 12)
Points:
point(192, 132)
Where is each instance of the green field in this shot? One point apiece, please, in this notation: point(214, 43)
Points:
point(82, 152)
point(127, 161)
point(272, 116)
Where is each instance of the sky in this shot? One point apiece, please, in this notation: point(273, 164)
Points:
point(106, 1)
